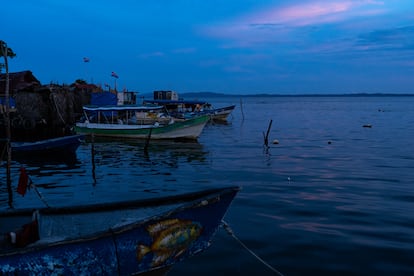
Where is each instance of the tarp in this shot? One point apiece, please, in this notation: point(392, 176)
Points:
point(103, 98)
point(12, 102)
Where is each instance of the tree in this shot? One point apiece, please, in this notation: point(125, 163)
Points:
point(5, 52)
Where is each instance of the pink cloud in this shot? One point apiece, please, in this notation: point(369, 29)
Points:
point(315, 12)
point(279, 19)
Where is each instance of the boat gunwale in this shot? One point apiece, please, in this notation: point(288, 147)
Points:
point(119, 205)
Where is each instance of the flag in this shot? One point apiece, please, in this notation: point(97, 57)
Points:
point(23, 181)
point(113, 74)
point(86, 59)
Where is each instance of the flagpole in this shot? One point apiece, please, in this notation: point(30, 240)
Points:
point(87, 60)
point(115, 76)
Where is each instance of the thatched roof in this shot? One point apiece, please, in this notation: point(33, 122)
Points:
point(18, 81)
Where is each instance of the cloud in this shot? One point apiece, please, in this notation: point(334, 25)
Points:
point(277, 23)
point(165, 53)
point(387, 46)
point(401, 38)
point(315, 12)
point(152, 54)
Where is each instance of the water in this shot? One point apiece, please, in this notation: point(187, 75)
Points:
point(333, 197)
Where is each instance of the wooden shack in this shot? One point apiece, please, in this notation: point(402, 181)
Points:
point(24, 80)
point(42, 111)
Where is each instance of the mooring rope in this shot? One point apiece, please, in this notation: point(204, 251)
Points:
point(231, 233)
point(57, 108)
point(39, 194)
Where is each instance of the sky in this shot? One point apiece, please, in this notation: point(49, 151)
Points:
point(226, 46)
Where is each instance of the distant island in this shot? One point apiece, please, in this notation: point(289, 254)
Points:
point(200, 95)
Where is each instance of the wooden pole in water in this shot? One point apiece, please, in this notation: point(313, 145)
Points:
point(266, 137)
point(93, 159)
point(241, 108)
point(4, 51)
point(147, 142)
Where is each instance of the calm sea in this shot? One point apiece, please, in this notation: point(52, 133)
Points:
point(331, 198)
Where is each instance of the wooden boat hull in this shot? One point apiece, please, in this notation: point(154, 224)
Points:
point(215, 114)
point(222, 113)
point(178, 109)
point(49, 146)
point(188, 129)
point(154, 243)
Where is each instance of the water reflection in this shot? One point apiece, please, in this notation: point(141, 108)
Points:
point(169, 153)
point(68, 159)
point(105, 169)
point(115, 156)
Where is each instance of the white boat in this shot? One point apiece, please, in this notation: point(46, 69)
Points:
point(180, 108)
point(137, 122)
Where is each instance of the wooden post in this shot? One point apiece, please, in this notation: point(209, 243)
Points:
point(93, 158)
point(4, 51)
point(147, 142)
point(241, 108)
point(266, 137)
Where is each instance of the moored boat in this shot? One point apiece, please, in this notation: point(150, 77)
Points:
point(120, 238)
point(185, 109)
point(188, 109)
point(65, 144)
point(138, 122)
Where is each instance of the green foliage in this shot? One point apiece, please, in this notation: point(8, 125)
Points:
point(3, 46)
point(80, 81)
point(3, 50)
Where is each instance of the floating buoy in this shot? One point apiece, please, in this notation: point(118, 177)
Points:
point(275, 142)
point(367, 125)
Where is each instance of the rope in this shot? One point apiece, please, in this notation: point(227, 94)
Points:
point(39, 194)
point(231, 233)
point(57, 108)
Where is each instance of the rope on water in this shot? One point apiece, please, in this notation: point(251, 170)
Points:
point(231, 233)
point(39, 194)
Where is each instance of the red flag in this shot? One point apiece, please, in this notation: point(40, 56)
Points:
point(23, 181)
point(113, 74)
point(86, 59)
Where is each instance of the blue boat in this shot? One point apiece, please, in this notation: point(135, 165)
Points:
point(120, 238)
point(65, 144)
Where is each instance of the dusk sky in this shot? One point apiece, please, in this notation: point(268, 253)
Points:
point(227, 46)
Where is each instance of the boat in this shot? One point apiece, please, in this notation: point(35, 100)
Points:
point(65, 144)
point(137, 122)
point(185, 109)
point(118, 238)
point(188, 109)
